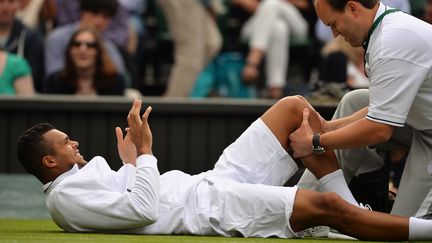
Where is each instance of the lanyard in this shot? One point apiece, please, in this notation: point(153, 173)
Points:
point(375, 24)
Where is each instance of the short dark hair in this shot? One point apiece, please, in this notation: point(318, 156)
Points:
point(106, 7)
point(31, 147)
point(339, 5)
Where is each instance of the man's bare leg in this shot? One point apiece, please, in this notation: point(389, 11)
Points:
point(285, 117)
point(316, 208)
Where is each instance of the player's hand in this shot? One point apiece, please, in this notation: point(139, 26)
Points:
point(139, 129)
point(301, 139)
point(126, 148)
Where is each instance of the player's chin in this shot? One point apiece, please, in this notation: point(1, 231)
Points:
point(80, 159)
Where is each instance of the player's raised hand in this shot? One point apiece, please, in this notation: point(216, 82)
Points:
point(139, 129)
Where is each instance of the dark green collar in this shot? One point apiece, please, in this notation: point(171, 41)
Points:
point(375, 24)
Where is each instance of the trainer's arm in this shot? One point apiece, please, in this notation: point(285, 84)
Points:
point(360, 133)
point(344, 121)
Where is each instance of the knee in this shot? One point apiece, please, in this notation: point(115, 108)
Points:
point(280, 31)
point(294, 101)
point(356, 97)
point(352, 102)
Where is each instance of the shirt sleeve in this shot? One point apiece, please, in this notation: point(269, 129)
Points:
point(393, 87)
point(89, 205)
point(19, 66)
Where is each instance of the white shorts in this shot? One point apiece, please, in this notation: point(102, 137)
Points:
point(246, 193)
point(256, 157)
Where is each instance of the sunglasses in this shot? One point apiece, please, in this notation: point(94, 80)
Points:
point(85, 43)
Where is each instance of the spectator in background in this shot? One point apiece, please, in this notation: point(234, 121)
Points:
point(269, 31)
point(343, 64)
point(37, 14)
point(15, 75)
point(126, 29)
point(196, 41)
point(136, 9)
point(18, 39)
point(137, 32)
point(29, 12)
point(68, 11)
point(95, 14)
point(88, 69)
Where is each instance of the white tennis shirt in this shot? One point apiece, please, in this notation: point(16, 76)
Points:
point(96, 198)
point(399, 66)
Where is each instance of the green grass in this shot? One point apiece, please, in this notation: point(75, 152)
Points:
point(24, 230)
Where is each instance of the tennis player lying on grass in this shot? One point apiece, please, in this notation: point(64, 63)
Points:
point(242, 196)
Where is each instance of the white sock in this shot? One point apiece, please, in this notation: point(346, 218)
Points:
point(335, 182)
point(420, 229)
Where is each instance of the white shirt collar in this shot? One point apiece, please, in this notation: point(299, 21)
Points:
point(50, 185)
point(381, 9)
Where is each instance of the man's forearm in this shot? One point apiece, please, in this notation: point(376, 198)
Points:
point(342, 122)
point(360, 133)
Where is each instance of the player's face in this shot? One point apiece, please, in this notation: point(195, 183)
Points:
point(347, 23)
point(66, 153)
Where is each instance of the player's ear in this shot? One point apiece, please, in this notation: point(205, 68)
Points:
point(352, 7)
point(48, 161)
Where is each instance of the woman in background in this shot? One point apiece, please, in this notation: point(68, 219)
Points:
point(273, 25)
point(15, 75)
point(88, 69)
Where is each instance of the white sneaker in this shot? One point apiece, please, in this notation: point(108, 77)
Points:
point(339, 236)
point(317, 231)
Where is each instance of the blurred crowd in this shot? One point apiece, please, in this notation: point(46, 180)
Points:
point(178, 48)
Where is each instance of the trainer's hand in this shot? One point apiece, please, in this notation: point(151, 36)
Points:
point(301, 139)
point(126, 148)
point(139, 129)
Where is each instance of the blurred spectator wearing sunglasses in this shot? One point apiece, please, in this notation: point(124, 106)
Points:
point(95, 14)
point(88, 69)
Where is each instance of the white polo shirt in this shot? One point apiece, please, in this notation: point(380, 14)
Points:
point(96, 198)
point(399, 66)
